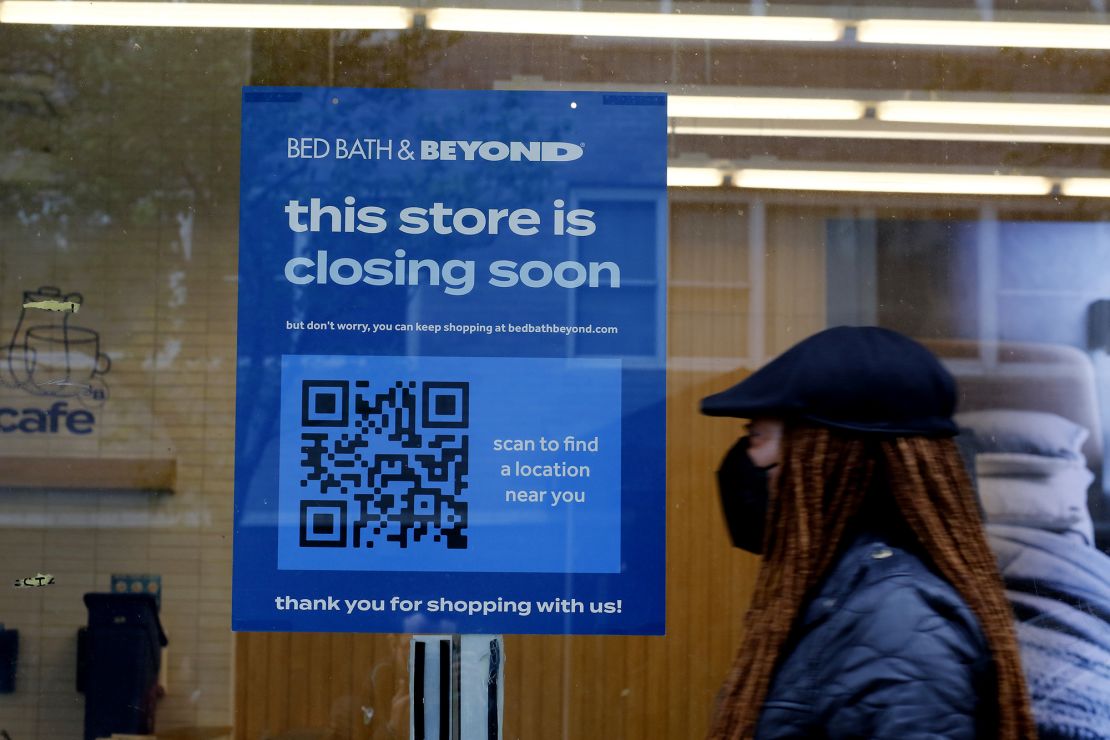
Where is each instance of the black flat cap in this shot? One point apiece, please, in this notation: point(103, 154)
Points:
point(859, 378)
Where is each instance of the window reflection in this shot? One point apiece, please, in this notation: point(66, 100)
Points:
point(119, 181)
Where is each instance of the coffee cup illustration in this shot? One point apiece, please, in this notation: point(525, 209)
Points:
point(50, 356)
point(64, 358)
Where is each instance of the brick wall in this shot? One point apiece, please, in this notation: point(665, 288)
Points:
point(135, 207)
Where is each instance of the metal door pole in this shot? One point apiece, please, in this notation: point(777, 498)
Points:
point(456, 687)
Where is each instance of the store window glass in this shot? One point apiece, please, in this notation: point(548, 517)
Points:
point(933, 167)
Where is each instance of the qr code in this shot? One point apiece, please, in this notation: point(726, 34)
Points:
point(383, 465)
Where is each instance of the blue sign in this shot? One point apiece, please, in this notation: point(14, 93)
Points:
point(450, 398)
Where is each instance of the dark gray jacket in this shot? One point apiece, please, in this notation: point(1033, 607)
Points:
point(887, 650)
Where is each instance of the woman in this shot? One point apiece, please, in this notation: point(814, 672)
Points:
point(878, 610)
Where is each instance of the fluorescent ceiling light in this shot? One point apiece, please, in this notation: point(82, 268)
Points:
point(201, 14)
point(641, 25)
point(555, 22)
point(961, 113)
point(1085, 187)
point(777, 128)
point(694, 177)
point(995, 114)
point(892, 182)
point(984, 33)
point(1031, 121)
point(797, 109)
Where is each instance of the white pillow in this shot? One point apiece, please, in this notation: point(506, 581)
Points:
point(1030, 432)
point(1035, 491)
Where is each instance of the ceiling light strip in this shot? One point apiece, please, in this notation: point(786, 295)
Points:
point(1085, 187)
point(555, 22)
point(203, 15)
point(784, 129)
point(694, 177)
point(924, 183)
point(892, 182)
point(637, 25)
point(984, 33)
point(1051, 115)
point(1008, 115)
point(794, 109)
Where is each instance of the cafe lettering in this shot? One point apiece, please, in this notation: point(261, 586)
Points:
point(59, 417)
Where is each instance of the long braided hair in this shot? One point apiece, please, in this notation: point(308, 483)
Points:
point(825, 478)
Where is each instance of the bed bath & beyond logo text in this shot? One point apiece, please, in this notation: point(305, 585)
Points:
point(314, 147)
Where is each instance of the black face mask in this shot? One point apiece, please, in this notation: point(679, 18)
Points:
point(744, 494)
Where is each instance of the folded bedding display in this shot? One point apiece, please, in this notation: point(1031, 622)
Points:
point(1033, 483)
point(1030, 469)
point(1067, 679)
point(1060, 592)
point(1026, 432)
point(1048, 493)
point(1046, 564)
